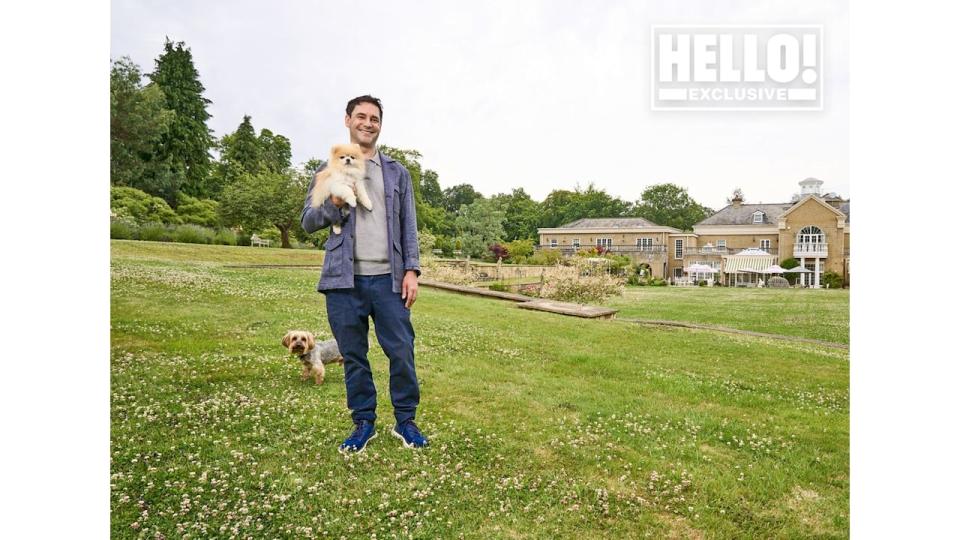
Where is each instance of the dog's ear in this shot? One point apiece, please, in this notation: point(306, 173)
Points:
point(311, 342)
point(286, 339)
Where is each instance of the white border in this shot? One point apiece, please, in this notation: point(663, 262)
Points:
point(653, 64)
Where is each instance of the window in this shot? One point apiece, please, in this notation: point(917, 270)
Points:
point(810, 235)
point(721, 244)
point(553, 242)
point(678, 248)
point(645, 244)
point(576, 242)
point(758, 217)
point(765, 245)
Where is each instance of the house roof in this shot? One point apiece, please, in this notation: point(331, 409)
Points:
point(845, 208)
point(743, 214)
point(609, 223)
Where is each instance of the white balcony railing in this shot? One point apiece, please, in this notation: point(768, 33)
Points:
point(810, 250)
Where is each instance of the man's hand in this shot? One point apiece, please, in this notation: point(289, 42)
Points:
point(409, 288)
point(338, 202)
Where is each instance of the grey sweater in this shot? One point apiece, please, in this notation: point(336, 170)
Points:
point(371, 256)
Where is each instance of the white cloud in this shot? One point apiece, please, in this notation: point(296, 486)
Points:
point(542, 95)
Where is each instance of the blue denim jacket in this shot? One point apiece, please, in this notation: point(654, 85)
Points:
point(337, 272)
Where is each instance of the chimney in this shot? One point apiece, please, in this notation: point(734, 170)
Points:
point(810, 186)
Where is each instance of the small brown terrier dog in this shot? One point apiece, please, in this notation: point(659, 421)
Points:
point(312, 355)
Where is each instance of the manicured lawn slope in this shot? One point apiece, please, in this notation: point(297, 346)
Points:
point(811, 313)
point(542, 426)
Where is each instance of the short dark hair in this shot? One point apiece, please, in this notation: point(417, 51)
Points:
point(364, 99)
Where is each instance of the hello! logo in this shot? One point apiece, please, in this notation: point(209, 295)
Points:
point(737, 68)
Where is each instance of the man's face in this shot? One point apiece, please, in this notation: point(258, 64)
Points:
point(364, 124)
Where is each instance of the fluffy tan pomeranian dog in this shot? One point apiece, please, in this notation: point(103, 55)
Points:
point(343, 177)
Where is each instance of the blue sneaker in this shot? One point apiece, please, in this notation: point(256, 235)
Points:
point(409, 433)
point(358, 440)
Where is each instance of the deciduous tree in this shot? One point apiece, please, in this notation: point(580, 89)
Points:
point(670, 205)
point(138, 120)
point(256, 201)
point(564, 206)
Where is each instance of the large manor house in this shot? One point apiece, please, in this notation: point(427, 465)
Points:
point(739, 239)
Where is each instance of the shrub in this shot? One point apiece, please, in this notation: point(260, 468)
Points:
point(831, 280)
point(193, 234)
point(445, 245)
point(499, 251)
point(123, 229)
point(426, 240)
point(140, 206)
point(155, 232)
point(225, 237)
point(198, 211)
point(778, 282)
point(569, 284)
point(619, 264)
point(455, 275)
point(545, 257)
point(519, 250)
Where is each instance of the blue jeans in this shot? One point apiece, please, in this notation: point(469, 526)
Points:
point(347, 311)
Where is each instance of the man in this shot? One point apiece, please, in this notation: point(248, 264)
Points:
point(370, 269)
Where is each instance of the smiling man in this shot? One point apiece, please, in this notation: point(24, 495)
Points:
point(370, 270)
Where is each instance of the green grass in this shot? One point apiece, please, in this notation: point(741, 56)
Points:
point(542, 426)
point(822, 314)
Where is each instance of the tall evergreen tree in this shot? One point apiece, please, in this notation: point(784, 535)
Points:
point(188, 141)
point(240, 154)
point(242, 147)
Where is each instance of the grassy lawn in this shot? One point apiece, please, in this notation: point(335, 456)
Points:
point(812, 313)
point(541, 426)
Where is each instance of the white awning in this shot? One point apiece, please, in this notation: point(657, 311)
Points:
point(740, 263)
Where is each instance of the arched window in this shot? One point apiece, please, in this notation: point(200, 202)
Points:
point(810, 235)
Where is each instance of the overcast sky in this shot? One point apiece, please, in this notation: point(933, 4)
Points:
point(541, 95)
